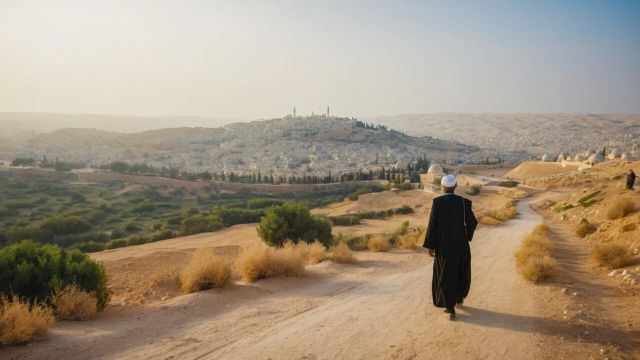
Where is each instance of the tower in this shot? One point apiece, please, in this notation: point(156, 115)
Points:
point(328, 111)
point(294, 111)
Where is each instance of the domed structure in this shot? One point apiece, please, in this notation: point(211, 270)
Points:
point(595, 158)
point(435, 169)
point(579, 158)
point(626, 156)
point(589, 153)
point(547, 158)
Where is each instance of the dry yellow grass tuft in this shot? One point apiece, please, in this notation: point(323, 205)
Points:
point(611, 255)
point(585, 228)
point(20, 323)
point(73, 303)
point(316, 253)
point(378, 243)
point(262, 262)
point(342, 254)
point(409, 241)
point(534, 258)
point(497, 217)
point(205, 270)
point(620, 208)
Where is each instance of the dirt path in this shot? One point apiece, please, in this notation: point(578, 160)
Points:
point(378, 309)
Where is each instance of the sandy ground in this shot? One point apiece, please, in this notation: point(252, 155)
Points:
point(378, 309)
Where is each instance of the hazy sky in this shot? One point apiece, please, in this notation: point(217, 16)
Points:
point(257, 59)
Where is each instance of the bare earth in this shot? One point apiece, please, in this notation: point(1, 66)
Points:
point(378, 309)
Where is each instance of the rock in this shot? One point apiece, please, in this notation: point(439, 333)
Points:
point(613, 273)
point(575, 293)
point(624, 272)
point(163, 298)
point(627, 277)
point(563, 290)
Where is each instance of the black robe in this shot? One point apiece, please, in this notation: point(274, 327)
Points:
point(449, 237)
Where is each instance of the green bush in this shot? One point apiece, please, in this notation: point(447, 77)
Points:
point(35, 272)
point(116, 243)
point(65, 225)
point(260, 203)
point(508, 183)
point(403, 210)
point(293, 221)
point(234, 216)
point(196, 224)
point(89, 246)
point(345, 220)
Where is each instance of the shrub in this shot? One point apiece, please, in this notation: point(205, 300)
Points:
point(21, 322)
point(345, 220)
point(497, 217)
point(116, 243)
point(234, 216)
point(60, 225)
point(89, 246)
point(473, 190)
point(293, 221)
point(534, 258)
point(378, 244)
point(72, 303)
point(260, 263)
point(205, 270)
point(585, 228)
point(137, 240)
point(358, 243)
point(356, 194)
point(34, 271)
point(259, 203)
point(342, 254)
point(620, 208)
point(508, 183)
point(199, 223)
point(564, 207)
point(403, 210)
point(611, 255)
point(314, 252)
point(408, 241)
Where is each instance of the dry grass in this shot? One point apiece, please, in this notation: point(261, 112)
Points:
point(497, 217)
point(611, 255)
point(206, 270)
point(409, 241)
point(488, 220)
point(620, 208)
point(585, 228)
point(378, 243)
point(20, 323)
point(342, 254)
point(313, 253)
point(73, 303)
point(262, 262)
point(534, 258)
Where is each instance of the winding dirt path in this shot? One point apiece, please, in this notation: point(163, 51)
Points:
point(378, 309)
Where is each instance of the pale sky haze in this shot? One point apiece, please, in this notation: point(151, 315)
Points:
point(258, 59)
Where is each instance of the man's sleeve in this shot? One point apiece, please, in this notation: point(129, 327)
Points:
point(472, 222)
point(430, 238)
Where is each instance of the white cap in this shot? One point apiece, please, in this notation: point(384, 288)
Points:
point(448, 181)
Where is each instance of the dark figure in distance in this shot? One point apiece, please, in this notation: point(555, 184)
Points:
point(631, 178)
point(451, 227)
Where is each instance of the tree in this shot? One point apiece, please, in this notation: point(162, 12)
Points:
point(293, 221)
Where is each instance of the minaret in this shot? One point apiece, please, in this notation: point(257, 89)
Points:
point(294, 111)
point(327, 111)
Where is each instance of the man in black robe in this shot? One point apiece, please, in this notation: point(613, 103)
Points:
point(451, 227)
point(631, 178)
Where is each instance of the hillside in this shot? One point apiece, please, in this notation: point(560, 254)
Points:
point(284, 146)
point(535, 134)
